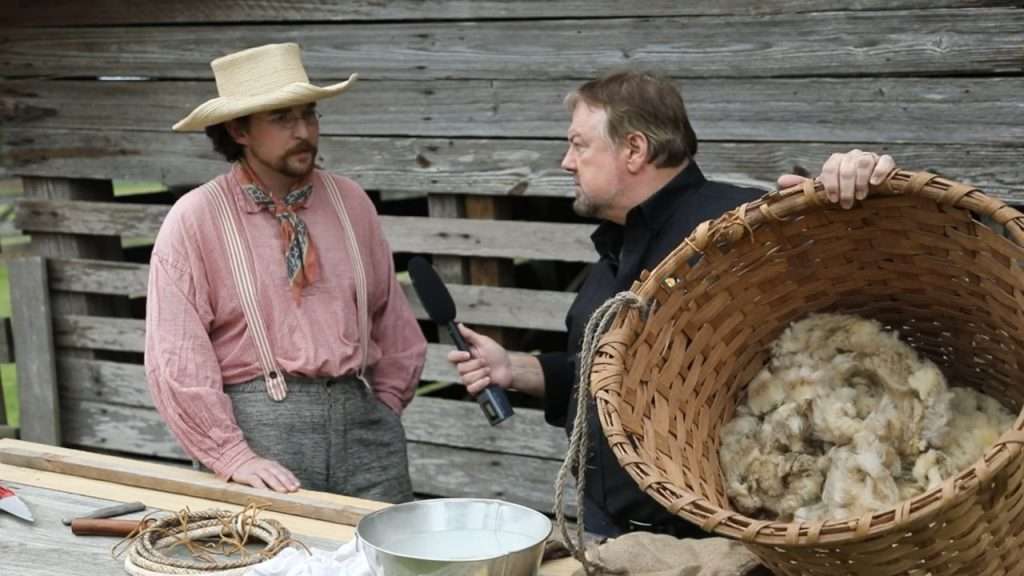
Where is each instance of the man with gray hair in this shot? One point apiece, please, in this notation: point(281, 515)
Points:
point(632, 155)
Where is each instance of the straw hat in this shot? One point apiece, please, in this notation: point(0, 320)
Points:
point(256, 80)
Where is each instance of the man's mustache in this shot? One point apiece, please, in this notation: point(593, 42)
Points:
point(302, 148)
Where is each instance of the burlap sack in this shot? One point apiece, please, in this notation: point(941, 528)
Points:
point(646, 554)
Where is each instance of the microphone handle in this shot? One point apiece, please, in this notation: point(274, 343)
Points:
point(493, 400)
point(460, 342)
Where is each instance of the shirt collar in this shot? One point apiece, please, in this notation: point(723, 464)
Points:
point(651, 214)
point(654, 212)
point(242, 177)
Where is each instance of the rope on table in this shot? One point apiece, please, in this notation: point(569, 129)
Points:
point(216, 540)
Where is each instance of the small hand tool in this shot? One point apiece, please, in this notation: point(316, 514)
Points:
point(104, 527)
point(110, 511)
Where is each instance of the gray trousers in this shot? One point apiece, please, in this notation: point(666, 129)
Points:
point(333, 434)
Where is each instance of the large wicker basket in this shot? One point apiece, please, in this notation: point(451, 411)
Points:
point(912, 255)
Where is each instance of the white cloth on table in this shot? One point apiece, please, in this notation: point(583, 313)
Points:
point(346, 560)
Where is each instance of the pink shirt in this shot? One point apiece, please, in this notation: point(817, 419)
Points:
point(196, 339)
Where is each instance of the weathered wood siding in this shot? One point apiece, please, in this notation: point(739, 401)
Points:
point(461, 100)
point(777, 80)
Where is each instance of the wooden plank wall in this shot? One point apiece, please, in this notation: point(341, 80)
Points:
point(469, 102)
point(461, 101)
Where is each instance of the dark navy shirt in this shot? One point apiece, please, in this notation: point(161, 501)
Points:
point(614, 503)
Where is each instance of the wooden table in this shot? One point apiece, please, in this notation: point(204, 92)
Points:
point(54, 483)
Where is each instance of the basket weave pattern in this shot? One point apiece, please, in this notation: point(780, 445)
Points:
point(911, 256)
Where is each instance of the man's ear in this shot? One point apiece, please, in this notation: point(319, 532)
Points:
point(635, 147)
point(237, 132)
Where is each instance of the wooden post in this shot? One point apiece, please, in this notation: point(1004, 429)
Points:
point(37, 366)
point(37, 374)
point(489, 271)
point(476, 271)
point(451, 269)
point(51, 245)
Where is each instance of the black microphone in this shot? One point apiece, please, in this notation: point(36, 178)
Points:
point(441, 309)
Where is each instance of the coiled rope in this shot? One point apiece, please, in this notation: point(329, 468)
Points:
point(216, 540)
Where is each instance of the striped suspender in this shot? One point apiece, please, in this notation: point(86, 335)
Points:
point(238, 255)
point(357, 265)
point(244, 281)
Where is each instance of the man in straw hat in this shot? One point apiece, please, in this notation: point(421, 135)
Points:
point(632, 155)
point(280, 349)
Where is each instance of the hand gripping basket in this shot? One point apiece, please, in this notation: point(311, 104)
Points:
point(912, 255)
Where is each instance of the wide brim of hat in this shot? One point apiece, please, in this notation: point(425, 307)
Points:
point(222, 109)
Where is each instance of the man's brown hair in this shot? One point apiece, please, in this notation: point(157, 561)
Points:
point(224, 143)
point(646, 103)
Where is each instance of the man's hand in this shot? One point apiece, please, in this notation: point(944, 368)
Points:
point(264, 473)
point(485, 363)
point(846, 177)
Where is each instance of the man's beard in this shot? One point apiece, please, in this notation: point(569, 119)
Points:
point(282, 165)
point(583, 206)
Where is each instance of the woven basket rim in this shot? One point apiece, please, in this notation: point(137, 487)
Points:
point(733, 227)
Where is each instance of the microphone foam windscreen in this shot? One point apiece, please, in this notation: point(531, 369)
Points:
point(431, 290)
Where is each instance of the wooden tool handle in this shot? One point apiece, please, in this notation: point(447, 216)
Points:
point(103, 527)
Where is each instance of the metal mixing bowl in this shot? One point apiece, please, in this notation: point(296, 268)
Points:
point(454, 537)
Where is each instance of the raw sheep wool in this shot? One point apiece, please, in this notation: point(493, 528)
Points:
point(847, 419)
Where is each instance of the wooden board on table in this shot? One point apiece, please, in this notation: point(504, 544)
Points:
point(320, 506)
point(160, 500)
